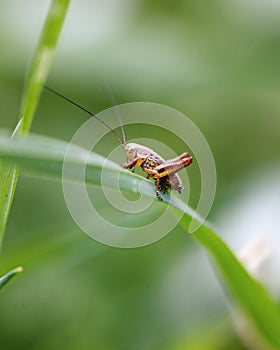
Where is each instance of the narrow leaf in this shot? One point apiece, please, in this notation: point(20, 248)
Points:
point(45, 155)
point(253, 298)
point(8, 180)
point(36, 78)
point(42, 61)
point(6, 278)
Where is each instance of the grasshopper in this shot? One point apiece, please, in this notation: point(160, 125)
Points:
point(164, 172)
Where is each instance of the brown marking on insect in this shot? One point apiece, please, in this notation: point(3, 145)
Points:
point(164, 172)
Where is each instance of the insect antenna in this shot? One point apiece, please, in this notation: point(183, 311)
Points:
point(88, 112)
point(113, 101)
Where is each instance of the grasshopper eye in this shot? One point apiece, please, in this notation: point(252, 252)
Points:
point(129, 149)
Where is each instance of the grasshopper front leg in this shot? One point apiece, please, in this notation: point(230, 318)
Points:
point(132, 164)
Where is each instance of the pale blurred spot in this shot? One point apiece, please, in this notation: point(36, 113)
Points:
point(255, 252)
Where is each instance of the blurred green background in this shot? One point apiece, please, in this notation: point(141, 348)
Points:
point(216, 62)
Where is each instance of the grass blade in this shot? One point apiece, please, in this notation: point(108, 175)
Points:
point(45, 155)
point(42, 61)
point(6, 278)
point(8, 180)
point(36, 78)
point(252, 296)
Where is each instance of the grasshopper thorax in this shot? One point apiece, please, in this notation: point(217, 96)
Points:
point(134, 151)
point(131, 151)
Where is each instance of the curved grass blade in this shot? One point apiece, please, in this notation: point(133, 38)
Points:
point(8, 181)
point(6, 278)
point(42, 61)
point(36, 78)
point(254, 299)
point(45, 155)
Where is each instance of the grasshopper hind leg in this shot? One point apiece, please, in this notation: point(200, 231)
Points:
point(158, 194)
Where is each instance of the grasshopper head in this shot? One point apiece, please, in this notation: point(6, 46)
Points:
point(131, 151)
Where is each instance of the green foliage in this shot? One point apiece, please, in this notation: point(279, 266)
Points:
point(252, 296)
point(6, 278)
point(41, 62)
point(44, 155)
point(36, 78)
point(216, 65)
point(8, 180)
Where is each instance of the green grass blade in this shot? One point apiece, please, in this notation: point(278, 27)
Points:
point(36, 78)
point(253, 298)
point(8, 180)
point(45, 155)
point(6, 278)
point(42, 61)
